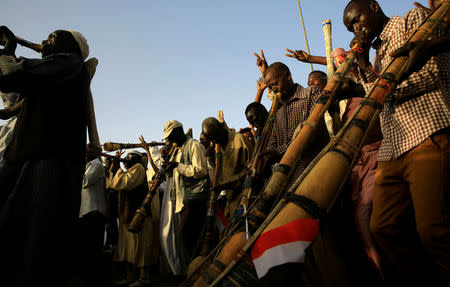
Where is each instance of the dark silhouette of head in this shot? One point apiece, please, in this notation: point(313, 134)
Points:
point(132, 158)
point(256, 115)
point(60, 41)
point(215, 131)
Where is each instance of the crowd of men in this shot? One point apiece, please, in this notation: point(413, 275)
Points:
point(60, 212)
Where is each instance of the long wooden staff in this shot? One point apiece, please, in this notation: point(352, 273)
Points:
point(211, 213)
point(314, 196)
point(326, 27)
point(304, 32)
point(141, 213)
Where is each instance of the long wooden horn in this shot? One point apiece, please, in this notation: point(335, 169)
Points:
point(28, 44)
point(140, 214)
point(280, 177)
point(211, 213)
point(314, 196)
point(201, 264)
point(113, 146)
point(261, 146)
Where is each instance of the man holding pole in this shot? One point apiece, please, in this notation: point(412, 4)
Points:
point(189, 191)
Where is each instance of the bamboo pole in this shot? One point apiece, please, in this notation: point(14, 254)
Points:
point(304, 32)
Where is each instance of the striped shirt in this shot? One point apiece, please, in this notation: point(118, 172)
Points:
point(289, 115)
point(9, 64)
point(420, 105)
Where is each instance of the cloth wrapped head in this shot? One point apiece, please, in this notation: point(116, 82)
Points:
point(135, 153)
point(169, 126)
point(82, 43)
point(338, 55)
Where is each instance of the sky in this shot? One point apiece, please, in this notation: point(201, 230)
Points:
point(184, 60)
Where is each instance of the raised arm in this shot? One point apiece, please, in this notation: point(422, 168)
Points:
point(261, 62)
point(149, 155)
point(261, 86)
point(302, 56)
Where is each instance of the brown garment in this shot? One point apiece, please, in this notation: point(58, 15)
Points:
point(141, 249)
point(411, 211)
point(132, 189)
point(129, 202)
point(233, 168)
point(235, 157)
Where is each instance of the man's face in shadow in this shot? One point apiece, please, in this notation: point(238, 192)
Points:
point(255, 119)
point(59, 41)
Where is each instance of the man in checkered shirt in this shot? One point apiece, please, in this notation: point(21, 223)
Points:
point(297, 103)
point(411, 210)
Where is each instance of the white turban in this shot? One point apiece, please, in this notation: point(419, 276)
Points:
point(82, 43)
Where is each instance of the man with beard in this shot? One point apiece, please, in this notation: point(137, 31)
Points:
point(44, 160)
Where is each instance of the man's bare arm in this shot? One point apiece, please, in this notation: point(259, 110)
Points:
point(302, 56)
point(420, 53)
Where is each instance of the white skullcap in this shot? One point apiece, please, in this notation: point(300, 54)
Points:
point(135, 152)
point(82, 43)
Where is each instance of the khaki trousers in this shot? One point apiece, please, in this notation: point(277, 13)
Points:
point(411, 212)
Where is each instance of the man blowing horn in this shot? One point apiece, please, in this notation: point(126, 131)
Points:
point(44, 160)
point(410, 205)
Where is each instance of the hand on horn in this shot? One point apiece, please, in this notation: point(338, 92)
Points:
point(8, 40)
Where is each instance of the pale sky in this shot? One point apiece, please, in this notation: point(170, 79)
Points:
point(185, 60)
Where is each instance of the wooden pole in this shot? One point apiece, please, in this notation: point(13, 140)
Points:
point(304, 32)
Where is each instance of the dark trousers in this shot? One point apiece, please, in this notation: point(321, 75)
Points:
point(91, 234)
point(192, 221)
point(112, 228)
point(411, 212)
point(38, 224)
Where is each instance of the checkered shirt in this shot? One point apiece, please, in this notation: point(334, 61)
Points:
point(420, 105)
point(289, 115)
